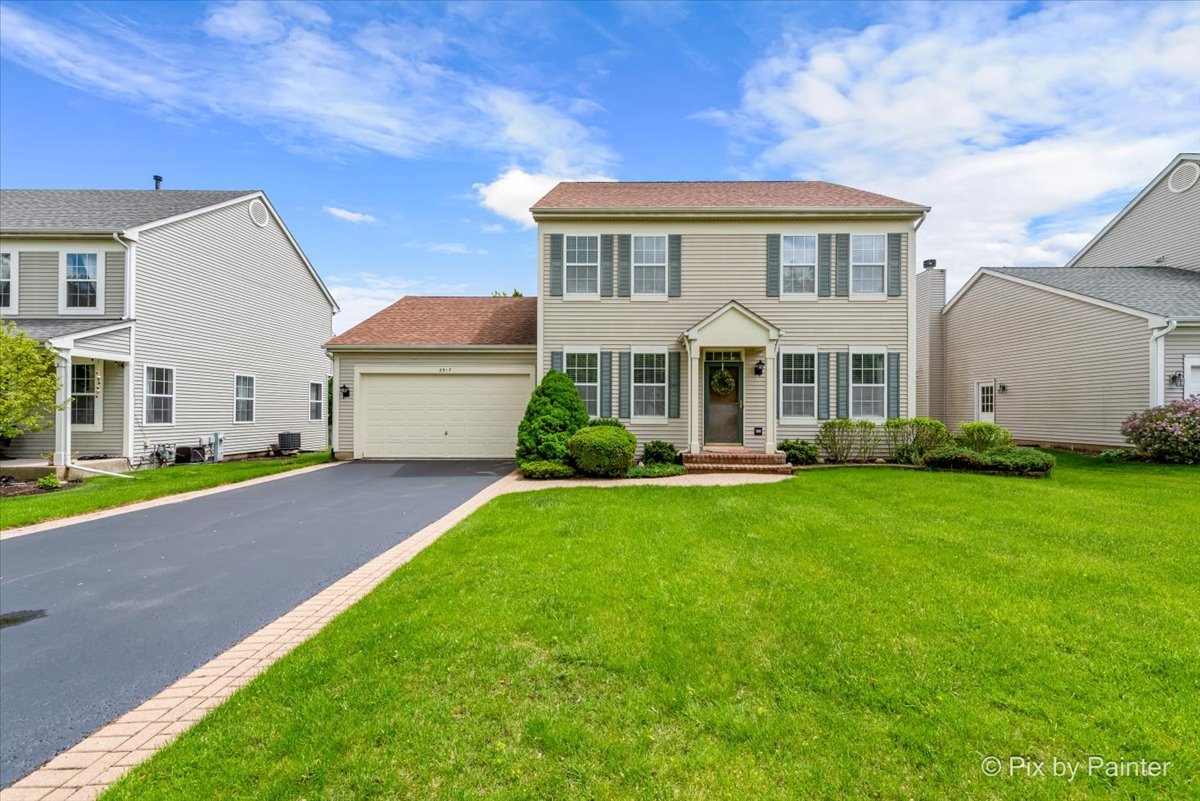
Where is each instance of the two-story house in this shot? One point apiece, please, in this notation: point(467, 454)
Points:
point(175, 316)
point(706, 314)
point(1062, 355)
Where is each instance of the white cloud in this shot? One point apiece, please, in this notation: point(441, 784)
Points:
point(515, 190)
point(349, 216)
point(247, 21)
point(451, 248)
point(362, 294)
point(1013, 129)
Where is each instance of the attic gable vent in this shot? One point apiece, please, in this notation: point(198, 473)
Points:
point(258, 213)
point(1184, 177)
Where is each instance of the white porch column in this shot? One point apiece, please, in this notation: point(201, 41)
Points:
point(62, 416)
point(694, 390)
point(769, 373)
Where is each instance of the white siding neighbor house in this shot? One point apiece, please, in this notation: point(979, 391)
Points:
point(800, 291)
point(1062, 355)
point(176, 315)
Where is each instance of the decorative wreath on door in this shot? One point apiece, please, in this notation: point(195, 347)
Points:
point(722, 382)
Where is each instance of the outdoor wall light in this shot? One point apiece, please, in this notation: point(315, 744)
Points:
point(345, 391)
point(758, 367)
point(1176, 379)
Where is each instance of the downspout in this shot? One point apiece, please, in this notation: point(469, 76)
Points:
point(1156, 362)
point(74, 466)
point(128, 242)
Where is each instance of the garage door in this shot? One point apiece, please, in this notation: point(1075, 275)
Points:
point(442, 416)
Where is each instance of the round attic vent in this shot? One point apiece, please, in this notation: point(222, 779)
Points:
point(258, 213)
point(1184, 177)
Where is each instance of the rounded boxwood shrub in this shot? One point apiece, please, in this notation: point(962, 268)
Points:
point(1169, 433)
point(542, 469)
point(798, 451)
point(658, 451)
point(602, 451)
point(983, 437)
point(555, 412)
point(954, 457)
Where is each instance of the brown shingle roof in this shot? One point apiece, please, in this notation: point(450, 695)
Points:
point(441, 321)
point(712, 195)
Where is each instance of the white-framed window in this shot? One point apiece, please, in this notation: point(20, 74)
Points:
point(798, 384)
point(316, 400)
point(158, 396)
point(81, 288)
point(243, 398)
point(581, 265)
point(798, 266)
point(9, 281)
point(868, 264)
point(650, 265)
point(868, 384)
point(649, 386)
point(583, 366)
point(86, 413)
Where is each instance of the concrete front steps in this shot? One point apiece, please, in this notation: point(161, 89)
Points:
point(736, 460)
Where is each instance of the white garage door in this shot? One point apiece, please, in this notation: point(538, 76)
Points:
point(441, 416)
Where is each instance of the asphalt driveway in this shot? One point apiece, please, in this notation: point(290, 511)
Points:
point(135, 601)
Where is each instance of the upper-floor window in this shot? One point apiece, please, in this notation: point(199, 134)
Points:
point(798, 384)
point(584, 370)
point(8, 283)
point(650, 384)
point(798, 265)
point(316, 402)
point(582, 265)
point(243, 399)
point(868, 385)
point(159, 396)
point(83, 280)
point(84, 395)
point(868, 259)
point(649, 265)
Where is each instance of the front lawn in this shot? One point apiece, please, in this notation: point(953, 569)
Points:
point(845, 634)
point(103, 492)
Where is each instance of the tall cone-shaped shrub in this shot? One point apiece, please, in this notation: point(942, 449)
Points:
point(554, 413)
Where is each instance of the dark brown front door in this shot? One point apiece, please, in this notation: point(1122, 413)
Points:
point(723, 413)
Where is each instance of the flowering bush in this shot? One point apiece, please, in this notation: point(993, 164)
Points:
point(1169, 433)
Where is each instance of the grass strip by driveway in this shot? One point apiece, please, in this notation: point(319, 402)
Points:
point(844, 634)
point(103, 492)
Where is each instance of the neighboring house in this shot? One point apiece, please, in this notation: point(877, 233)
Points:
point(175, 315)
point(800, 290)
point(1062, 355)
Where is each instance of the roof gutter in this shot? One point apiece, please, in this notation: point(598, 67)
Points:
point(444, 347)
point(729, 212)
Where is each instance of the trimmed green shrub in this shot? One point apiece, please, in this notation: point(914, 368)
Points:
point(658, 451)
point(954, 457)
point(983, 437)
point(606, 421)
point(49, 482)
point(1169, 433)
point(835, 438)
point(1123, 455)
point(866, 440)
point(798, 451)
point(911, 438)
point(602, 451)
point(656, 470)
point(541, 469)
point(1021, 461)
point(554, 413)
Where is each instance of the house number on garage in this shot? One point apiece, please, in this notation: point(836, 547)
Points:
point(445, 369)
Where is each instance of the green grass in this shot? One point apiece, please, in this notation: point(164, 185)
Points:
point(844, 634)
point(103, 492)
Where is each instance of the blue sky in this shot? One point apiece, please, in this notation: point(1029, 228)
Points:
point(403, 142)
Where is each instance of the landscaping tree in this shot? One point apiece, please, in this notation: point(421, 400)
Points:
point(28, 383)
point(554, 413)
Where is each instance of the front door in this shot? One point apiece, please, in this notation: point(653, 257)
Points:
point(985, 402)
point(723, 404)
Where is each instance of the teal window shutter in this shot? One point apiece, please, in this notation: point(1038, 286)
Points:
point(606, 383)
point(824, 264)
point(624, 257)
point(674, 266)
point(556, 360)
point(843, 385)
point(606, 266)
point(893, 385)
point(842, 279)
point(673, 383)
point(894, 242)
point(624, 379)
point(556, 265)
point(773, 245)
point(823, 386)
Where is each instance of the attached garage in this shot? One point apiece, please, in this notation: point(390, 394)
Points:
point(435, 378)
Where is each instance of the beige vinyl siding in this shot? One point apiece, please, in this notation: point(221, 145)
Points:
point(1073, 370)
point(113, 342)
point(931, 359)
point(1183, 341)
point(1163, 224)
point(218, 296)
point(86, 443)
point(364, 361)
point(723, 261)
point(39, 276)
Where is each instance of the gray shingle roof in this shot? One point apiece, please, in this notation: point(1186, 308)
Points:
point(98, 210)
point(43, 330)
point(1165, 291)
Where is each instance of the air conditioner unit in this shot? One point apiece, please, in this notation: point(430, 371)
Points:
point(289, 441)
point(218, 446)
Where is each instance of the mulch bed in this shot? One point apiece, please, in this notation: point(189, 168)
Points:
point(17, 488)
